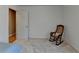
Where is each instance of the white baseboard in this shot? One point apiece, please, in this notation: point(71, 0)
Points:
point(22, 38)
point(37, 38)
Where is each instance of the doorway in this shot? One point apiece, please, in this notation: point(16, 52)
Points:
point(12, 25)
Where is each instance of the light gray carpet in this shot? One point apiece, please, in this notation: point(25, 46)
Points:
point(3, 47)
point(43, 46)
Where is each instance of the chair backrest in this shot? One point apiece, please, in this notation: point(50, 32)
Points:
point(60, 29)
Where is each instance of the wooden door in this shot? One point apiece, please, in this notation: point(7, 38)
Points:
point(12, 25)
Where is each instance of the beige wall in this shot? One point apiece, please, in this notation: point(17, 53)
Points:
point(42, 20)
point(3, 23)
point(71, 21)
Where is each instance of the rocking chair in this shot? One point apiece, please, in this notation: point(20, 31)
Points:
point(57, 35)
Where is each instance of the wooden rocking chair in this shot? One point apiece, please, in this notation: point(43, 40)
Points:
point(57, 35)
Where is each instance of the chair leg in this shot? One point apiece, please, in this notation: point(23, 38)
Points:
point(51, 40)
point(61, 41)
point(58, 43)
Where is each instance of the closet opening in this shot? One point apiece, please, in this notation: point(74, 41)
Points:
point(12, 25)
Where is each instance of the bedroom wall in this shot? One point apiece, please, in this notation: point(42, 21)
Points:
point(22, 23)
point(71, 21)
point(43, 20)
point(3, 23)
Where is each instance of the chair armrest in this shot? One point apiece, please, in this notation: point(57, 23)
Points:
point(61, 35)
point(52, 33)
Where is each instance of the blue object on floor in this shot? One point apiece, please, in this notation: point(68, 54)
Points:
point(14, 49)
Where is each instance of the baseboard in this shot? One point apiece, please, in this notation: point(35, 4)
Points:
point(22, 38)
point(37, 38)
